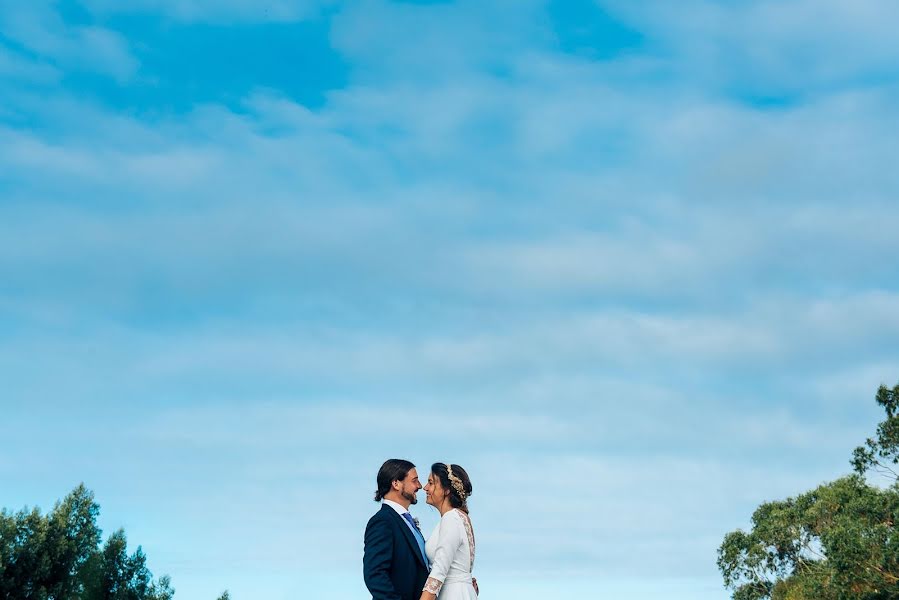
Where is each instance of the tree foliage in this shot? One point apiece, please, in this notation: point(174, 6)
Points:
point(836, 542)
point(58, 556)
point(881, 451)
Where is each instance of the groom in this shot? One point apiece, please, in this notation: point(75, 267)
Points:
point(394, 564)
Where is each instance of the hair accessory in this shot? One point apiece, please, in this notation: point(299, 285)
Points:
point(455, 482)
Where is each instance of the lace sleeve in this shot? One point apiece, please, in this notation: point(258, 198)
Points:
point(449, 540)
point(433, 586)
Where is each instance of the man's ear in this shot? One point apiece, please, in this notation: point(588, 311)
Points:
point(396, 484)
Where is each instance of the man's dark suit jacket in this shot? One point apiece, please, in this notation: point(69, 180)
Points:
point(392, 563)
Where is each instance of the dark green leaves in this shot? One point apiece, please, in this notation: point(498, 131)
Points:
point(882, 451)
point(58, 557)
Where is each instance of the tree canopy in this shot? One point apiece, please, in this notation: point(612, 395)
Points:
point(59, 556)
point(836, 542)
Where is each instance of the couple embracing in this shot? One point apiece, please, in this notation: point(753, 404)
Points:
point(398, 563)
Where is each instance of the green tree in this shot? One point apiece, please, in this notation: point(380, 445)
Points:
point(836, 542)
point(43, 557)
point(881, 451)
point(58, 557)
point(114, 575)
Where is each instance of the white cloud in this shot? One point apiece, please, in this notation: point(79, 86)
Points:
point(17, 67)
point(858, 381)
point(430, 42)
point(216, 11)
point(772, 46)
point(40, 30)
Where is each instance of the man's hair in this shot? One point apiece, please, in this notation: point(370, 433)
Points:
point(392, 470)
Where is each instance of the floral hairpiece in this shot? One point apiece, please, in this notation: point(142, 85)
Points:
point(455, 482)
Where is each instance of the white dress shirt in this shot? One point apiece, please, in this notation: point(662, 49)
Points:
point(401, 511)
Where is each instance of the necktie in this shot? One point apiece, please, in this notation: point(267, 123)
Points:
point(418, 536)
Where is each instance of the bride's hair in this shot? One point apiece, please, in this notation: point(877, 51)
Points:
point(459, 486)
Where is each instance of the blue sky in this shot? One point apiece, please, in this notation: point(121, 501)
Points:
point(631, 264)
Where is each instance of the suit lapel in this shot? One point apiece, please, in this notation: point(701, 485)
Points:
point(407, 533)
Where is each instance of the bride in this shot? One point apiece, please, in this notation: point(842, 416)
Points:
point(450, 548)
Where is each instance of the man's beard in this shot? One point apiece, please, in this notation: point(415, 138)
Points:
point(410, 497)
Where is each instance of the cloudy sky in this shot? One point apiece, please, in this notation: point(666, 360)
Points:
point(632, 264)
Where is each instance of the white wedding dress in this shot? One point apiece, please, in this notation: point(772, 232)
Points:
point(451, 552)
